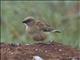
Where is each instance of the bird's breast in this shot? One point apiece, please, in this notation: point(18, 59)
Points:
point(36, 34)
point(39, 36)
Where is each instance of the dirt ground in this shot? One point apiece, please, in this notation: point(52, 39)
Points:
point(53, 51)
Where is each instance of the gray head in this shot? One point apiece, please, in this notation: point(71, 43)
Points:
point(29, 21)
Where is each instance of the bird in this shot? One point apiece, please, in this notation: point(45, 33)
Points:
point(37, 29)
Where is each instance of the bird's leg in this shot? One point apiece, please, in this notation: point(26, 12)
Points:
point(36, 42)
point(42, 42)
point(48, 42)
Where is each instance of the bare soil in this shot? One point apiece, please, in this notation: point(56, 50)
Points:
point(53, 51)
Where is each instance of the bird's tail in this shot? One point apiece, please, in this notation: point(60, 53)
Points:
point(56, 31)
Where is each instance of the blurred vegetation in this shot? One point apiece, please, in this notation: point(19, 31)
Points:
point(64, 16)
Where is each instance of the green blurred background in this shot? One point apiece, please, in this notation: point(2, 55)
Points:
point(63, 15)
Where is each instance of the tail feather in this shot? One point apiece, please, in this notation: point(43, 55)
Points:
point(57, 31)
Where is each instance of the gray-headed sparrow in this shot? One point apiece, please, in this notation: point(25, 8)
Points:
point(38, 29)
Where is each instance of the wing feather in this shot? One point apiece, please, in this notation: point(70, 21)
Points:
point(43, 26)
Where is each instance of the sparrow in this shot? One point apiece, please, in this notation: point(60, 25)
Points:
point(37, 29)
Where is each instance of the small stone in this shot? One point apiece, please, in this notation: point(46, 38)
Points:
point(18, 44)
point(11, 53)
point(36, 49)
point(27, 44)
point(60, 49)
point(46, 51)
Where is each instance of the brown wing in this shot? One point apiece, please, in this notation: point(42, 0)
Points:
point(44, 26)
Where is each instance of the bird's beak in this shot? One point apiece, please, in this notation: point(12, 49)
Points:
point(23, 21)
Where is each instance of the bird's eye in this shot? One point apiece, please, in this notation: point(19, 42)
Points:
point(29, 20)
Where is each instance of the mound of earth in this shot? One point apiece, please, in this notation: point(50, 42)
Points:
point(53, 51)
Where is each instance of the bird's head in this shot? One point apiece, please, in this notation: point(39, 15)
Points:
point(29, 21)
